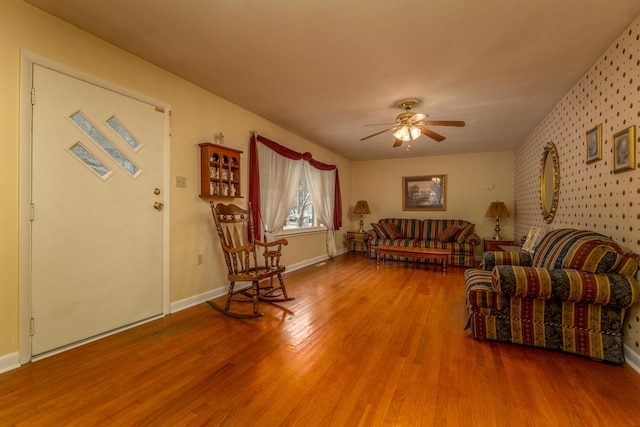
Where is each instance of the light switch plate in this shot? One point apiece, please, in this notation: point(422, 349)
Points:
point(181, 181)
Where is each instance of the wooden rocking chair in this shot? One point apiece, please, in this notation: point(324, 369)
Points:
point(235, 228)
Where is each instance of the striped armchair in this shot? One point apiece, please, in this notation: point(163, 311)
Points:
point(570, 295)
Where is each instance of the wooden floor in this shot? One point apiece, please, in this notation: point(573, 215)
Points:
point(359, 345)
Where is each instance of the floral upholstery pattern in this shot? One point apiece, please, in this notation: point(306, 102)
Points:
point(533, 300)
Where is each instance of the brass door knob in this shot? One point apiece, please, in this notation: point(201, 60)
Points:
point(158, 206)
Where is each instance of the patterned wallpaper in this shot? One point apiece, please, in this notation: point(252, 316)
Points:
point(592, 196)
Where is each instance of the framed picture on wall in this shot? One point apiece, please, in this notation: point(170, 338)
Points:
point(594, 144)
point(424, 193)
point(624, 150)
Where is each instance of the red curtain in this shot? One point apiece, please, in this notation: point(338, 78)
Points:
point(254, 178)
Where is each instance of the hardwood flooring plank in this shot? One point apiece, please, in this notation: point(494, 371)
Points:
point(359, 346)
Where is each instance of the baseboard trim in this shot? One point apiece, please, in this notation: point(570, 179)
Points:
point(632, 358)
point(222, 290)
point(9, 362)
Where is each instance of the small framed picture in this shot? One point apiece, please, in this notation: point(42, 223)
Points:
point(532, 240)
point(594, 144)
point(424, 193)
point(624, 150)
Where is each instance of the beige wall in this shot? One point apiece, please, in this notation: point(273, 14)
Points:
point(592, 197)
point(196, 116)
point(379, 182)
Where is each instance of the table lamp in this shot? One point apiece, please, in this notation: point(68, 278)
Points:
point(497, 210)
point(362, 208)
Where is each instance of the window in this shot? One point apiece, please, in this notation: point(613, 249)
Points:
point(282, 198)
point(302, 215)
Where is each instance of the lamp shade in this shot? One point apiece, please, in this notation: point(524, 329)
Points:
point(362, 207)
point(497, 210)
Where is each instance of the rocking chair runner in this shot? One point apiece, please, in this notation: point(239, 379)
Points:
point(235, 228)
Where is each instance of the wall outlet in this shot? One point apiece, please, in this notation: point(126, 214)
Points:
point(181, 181)
point(200, 260)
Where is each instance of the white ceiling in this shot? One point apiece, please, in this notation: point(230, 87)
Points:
point(325, 68)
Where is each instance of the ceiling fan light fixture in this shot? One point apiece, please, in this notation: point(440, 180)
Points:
point(409, 125)
point(403, 134)
point(415, 132)
point(406, 133)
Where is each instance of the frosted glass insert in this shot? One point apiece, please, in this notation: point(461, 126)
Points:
point(103, 142)
point(124, 134)
point(88, 159)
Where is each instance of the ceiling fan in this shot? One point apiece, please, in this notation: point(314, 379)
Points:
point(409, 126)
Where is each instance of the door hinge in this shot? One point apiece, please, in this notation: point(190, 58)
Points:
point(33, 96)
point(32, 212)
point(32, 327)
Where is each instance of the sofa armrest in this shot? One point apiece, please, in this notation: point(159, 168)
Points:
point(492, 258)
point(370, 235)
point(566, 285)
point(474, 239)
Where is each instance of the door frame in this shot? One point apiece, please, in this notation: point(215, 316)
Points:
point(27, 60)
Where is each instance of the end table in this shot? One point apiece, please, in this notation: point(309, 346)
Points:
point(356, 238)
point(494, 245)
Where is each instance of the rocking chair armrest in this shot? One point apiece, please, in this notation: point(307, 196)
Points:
point(270, 244)
point(244, 248)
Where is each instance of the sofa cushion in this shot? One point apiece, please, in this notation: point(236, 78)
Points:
point(492, 258)
point(558, 244)
point(379, 230)
point(410, 228)
point(565, 285)
point(464, 232)
point(431, 228)
point(628, 264)
point(593, 256)
point(392, 230)
point(448, 234)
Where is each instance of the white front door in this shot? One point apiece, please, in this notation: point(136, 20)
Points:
point(97, 170)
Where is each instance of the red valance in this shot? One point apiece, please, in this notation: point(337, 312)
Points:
point(254, 178)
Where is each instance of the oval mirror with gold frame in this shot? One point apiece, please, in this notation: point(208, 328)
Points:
point(549, 182)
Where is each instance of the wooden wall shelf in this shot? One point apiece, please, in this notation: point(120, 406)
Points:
point(220, 172)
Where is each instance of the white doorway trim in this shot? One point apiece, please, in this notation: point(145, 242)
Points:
point(27, 60)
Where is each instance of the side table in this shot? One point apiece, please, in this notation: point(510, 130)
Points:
point(510, 248)
point(356, 238)
point(494, 245)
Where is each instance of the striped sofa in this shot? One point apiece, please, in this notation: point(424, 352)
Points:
point(427, 233)
point(570, 295)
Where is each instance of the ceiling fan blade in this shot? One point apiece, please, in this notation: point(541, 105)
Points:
point(417, 117)
point(457, 123)
point(431, 134)
point(397, 143)
point(379, 124)
point(378, 133)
